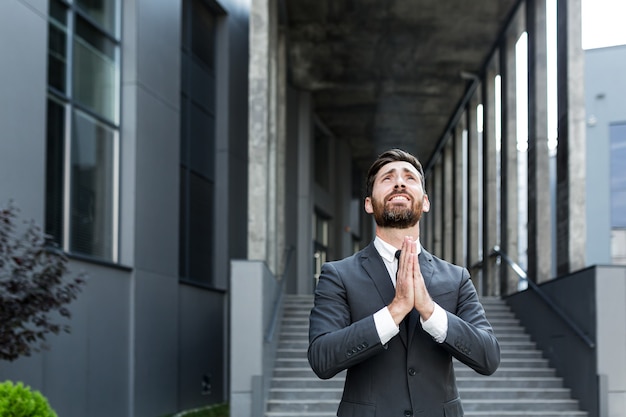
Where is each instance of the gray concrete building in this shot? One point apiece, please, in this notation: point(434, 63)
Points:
point(200, 160)
point(605, 89)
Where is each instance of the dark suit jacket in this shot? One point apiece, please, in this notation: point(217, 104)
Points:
point(412, 374)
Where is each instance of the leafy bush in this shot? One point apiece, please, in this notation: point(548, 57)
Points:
point(17, 400)
point(31, 287)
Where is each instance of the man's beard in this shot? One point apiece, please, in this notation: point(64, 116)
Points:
point(396, 217)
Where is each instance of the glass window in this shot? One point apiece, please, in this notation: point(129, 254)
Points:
point(94, 69)
point(92, 187)
point(57, 47)
point(102, 12)
point(197, 160)
point(82, 127)
point(55, 169)
point(320, 244)
point(617, 134)
point(203, 29)
point(321, 158)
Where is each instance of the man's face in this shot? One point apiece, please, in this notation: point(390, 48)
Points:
point(398, 198)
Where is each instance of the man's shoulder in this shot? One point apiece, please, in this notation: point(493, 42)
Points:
point(442, 263)
point(355, 258)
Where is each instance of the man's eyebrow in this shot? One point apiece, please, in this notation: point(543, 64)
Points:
point(405, 169)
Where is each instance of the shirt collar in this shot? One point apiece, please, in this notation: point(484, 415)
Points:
point(388, 251)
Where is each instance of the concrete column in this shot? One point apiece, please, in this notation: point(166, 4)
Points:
point(458, 182)
point(509, 212)
point(490, 196)
point(304, 243)
point(427, 223)
point(539, 225)
point(448, 201)
point(473, 187)
point(570, 201)
point(281, 152)
point(262, 132)
point(436, 208)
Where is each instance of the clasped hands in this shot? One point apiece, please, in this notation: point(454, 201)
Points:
point(411, 290)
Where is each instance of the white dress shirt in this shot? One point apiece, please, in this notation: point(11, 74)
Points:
point(436, 325)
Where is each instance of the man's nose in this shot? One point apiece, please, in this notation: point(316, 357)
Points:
point(400, 183)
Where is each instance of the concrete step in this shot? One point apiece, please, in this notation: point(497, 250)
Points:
point(308, 382)
point(518, 404)
point(509, 382)
point(512, 362)
point(466, 394)
point(506, 393)
point(306, 393)
point(508, 373)
point(521, 413)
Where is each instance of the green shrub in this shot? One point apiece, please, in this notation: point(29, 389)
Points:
point(17, 400)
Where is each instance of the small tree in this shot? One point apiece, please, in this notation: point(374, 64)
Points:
point(31, 287)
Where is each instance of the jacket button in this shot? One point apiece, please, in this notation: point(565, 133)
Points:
point(412, 372)
point(408, 413)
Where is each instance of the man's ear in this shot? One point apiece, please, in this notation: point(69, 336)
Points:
point(426, 204)
point(369, 209)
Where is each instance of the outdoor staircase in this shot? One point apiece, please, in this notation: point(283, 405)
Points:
point(524, 385)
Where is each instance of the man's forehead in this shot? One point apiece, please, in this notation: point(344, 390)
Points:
point(402, 166)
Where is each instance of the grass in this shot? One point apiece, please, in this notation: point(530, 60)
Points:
point(218, 410)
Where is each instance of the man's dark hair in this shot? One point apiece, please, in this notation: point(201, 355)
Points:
point(392, 155)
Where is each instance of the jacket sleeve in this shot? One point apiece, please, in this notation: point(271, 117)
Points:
point(336, 342)
point(470, 337)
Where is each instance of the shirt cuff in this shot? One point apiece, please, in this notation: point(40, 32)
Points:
point(437, 324)
point(385, 326)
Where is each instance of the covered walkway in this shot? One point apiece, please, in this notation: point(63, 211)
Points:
point(481, 92)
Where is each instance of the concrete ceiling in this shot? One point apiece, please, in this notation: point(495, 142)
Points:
point(388, 72)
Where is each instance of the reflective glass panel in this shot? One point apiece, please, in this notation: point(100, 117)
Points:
point(95, 72)
point(57, 47)
point(54, 170)
point(92, 202)
point(103, 12)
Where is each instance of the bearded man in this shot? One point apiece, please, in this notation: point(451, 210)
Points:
point(393, 315)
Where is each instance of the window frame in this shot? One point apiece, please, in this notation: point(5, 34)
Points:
point(71, 108)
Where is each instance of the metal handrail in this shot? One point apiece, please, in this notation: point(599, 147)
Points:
point(497, 252)
point(280, 289)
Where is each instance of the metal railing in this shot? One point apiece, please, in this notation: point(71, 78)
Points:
point(496, 252)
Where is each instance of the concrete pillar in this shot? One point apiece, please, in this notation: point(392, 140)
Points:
point(436, 208)
point(262, 132)
point(459, 183)
point(281, 152)
point(304, 243)
point(539, 225)
point(473, 250)
point(448, 201)
point(509, 197)
point(570, 201)
point(427, 223)
point(490, 198)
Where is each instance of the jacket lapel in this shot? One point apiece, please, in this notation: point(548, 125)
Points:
point(373, 264)
point(375, 268)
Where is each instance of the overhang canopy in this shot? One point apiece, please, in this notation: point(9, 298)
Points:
point(389, 72)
